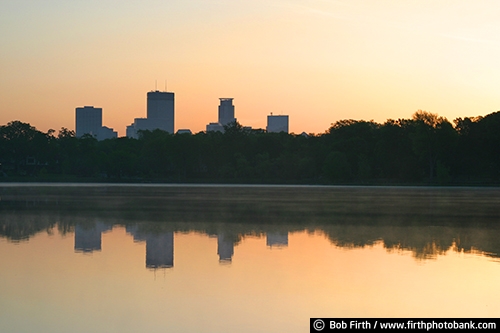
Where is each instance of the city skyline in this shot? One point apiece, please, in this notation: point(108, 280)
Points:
point(317, 61)
point(160, 114)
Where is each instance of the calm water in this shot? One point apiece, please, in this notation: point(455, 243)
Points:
point(152, 258)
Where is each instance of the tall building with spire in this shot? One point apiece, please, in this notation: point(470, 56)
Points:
point(160, 114)
point(160, 110)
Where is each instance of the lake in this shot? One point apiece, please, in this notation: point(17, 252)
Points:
point(215, 258)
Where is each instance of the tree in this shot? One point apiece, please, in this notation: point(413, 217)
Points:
point(336, 167)
point(433, 139)
point(23, 145)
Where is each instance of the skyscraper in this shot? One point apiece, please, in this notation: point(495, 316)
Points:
point(160, 110)
point(226, 111)
point(277, 124)
point(160, 114)
point(88, 121)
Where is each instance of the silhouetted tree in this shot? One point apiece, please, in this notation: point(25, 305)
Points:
point(424, 148)
point(24, 147)
point(433, 137)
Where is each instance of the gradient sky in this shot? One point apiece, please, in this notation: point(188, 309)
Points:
point(318, 61)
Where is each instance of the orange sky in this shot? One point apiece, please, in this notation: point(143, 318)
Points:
point(318, 61)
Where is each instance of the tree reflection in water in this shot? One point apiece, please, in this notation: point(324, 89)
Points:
point(426, 221)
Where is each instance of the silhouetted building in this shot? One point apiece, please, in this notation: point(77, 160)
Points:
point(107, 133)
point(89, 121)
point(160, 114)
point(226, 116)
point(277, 124)
point(140, 124)
point(161, 110)
point(130, 130)
point(226, 111)
point(215, 127)
point(225, 248)
point(88, 239)
point(274, 239)
point(184, 131)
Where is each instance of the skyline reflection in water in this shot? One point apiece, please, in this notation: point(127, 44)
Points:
point(119, 289)
point(422, 242)
point(425, 221)
point(218, 259)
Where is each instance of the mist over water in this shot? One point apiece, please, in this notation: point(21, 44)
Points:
point(408, 218)
point(350, 243)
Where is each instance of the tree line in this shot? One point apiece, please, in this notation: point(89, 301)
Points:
point(426, 149)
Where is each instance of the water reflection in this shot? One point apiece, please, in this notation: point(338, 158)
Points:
point(427, 222)
point(88, 237)
point(159, 246)
point(424, 242)
point(275, 239)
point(225, 247)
